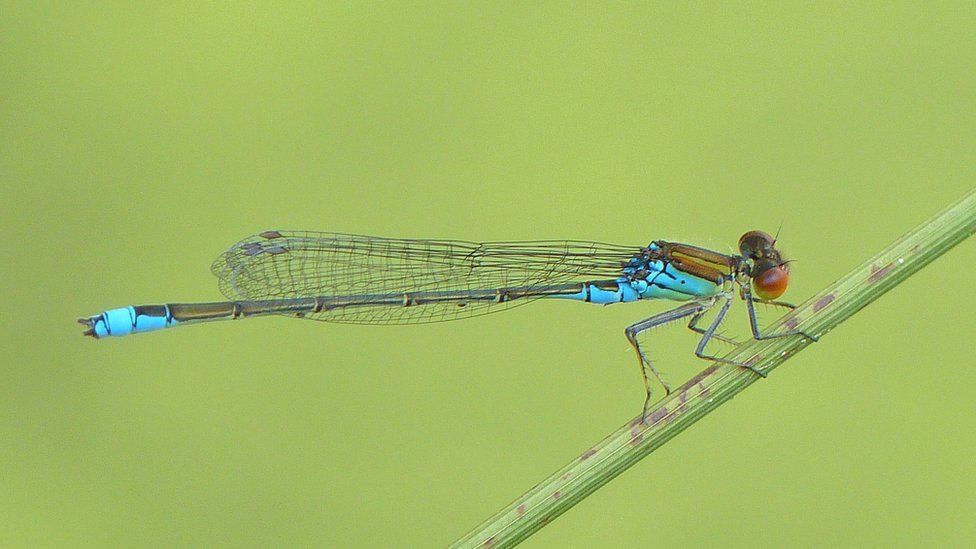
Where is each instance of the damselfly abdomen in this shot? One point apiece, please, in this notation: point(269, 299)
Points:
point(368, 280)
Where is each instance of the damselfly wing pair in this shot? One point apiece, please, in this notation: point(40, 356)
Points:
point(370, 280)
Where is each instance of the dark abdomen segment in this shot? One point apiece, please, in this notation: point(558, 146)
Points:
point(146, 318)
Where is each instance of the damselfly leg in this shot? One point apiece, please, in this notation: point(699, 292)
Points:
point(634, 330)
point(754, 322)
point(696, 310)
point(709, 333)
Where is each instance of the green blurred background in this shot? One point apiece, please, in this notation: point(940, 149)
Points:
point(138, 142)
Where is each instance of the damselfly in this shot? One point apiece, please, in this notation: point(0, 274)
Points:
point(368, 280)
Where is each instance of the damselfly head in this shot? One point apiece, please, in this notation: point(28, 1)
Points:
point(757, 245)
point(770, 273)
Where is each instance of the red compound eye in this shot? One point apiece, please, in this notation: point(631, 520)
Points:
point(772, 282)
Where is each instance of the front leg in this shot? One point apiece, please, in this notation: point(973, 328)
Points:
point(754, 322)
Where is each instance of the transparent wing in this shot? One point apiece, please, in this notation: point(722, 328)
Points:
point(286, 264)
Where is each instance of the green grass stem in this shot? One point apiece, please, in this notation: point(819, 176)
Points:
point(716, 384)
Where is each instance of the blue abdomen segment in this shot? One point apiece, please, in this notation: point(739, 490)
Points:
point(131, 320)
point(604, 294)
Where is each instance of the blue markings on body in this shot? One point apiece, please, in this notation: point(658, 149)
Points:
point(674, 284)
point(125, 321)
point(647, 279)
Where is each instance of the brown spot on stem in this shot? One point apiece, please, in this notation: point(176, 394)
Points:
point(700, 376)
point(823, 302)
point(877, 274)
point(635, 436)
point(658, 415)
